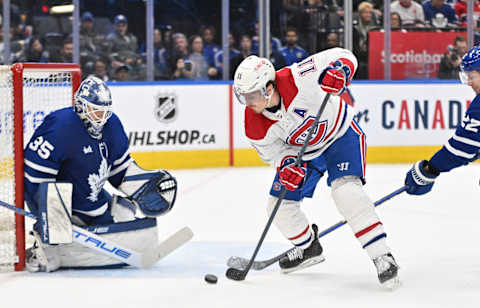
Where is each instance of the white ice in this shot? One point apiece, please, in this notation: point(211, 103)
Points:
point(435, 239)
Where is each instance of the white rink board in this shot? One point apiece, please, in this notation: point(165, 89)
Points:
point(429, 114)
point(200, 120)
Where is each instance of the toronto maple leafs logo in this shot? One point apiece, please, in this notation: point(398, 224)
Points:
point(96, 181)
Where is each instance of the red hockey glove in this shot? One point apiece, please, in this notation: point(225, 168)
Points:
point(336, 77)
point(292, 176)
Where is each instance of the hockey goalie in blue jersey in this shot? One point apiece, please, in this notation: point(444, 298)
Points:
point(464, 146)
point(69, 158)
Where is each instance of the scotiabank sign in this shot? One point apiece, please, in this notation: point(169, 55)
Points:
point(413, 55)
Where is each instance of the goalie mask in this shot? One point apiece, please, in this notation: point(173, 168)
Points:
point(470, 66)
point(251, 79)
point(93, 104)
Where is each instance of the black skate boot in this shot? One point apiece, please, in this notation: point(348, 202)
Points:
point(387, 270)
point(302, 258)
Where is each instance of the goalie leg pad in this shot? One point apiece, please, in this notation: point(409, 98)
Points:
point(140, 235)
point(55, 211)
point(154, 191)
point(292, 222)
point(359, 211)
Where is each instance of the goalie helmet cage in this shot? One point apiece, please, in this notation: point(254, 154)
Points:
point(29, 91)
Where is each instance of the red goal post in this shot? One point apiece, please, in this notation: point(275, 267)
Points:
point(29, 92)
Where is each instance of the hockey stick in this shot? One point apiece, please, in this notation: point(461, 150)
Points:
point(241, 263)
point(236, 274)
point(116, 251)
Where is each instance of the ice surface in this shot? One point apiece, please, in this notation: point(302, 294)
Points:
point(435, 239)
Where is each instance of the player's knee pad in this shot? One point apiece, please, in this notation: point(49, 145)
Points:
point(54, 202)
point(352, 202)
point(154, 191)
point(140, 235)
point(290, 219)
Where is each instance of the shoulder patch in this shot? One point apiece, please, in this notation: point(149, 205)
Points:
point(286, 86)
point(256, 125)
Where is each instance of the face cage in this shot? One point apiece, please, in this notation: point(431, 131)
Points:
point(89, 110)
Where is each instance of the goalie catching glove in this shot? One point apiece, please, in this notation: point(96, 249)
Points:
point(153, 191)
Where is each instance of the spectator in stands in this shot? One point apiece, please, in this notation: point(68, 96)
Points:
point(276, 44)
point(219, 55)
point(361, 26)
point(461, 11)
point(122, 44)
point(90, 40)
point(395, 21)
point(439, 15)
point(178, 56)
point(199, 65)
point(292, 52)
point(66, 52)
point(122, 73)
point(209, 46)
point(101, 70)
point(450, 63)
point(333, 40)
point(277, 59)
point(35, 52)
point(411, 13)
point(160, 56)
point(245, 51)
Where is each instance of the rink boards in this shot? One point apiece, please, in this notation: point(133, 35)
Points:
point(195, 125)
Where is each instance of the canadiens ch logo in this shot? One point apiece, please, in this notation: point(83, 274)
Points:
point(165, 107)
point(297, 137)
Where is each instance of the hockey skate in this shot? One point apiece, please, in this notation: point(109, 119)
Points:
point(298, 258)
point(387, 270)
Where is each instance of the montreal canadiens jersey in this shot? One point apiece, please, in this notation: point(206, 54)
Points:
point(277, 134)
point(62, 150)
point(464, 146)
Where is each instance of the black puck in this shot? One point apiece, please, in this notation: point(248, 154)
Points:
point(211, 278)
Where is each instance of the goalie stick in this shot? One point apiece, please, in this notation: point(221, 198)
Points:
point(241, 263)
point(116, 251)
point(237, 274)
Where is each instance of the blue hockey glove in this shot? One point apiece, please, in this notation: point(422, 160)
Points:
point(420, 178)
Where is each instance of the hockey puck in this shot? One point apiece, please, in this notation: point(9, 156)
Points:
point(211, 278)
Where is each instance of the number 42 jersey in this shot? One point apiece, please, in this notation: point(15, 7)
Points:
point(278, 133)
point(62, 150)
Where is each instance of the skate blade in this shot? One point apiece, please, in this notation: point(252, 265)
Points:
point(308, 263)
point(392, 284)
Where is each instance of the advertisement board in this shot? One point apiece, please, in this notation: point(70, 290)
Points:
point(414, 55)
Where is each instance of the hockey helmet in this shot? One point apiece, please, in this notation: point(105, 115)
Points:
point(93, 102)
point(251, 78)
point(470, 62)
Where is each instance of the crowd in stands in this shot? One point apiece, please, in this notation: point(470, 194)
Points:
point(111, 52)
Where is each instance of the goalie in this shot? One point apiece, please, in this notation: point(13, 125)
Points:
point(67, 162)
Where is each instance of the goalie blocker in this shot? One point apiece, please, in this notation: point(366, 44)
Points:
point(149, 194)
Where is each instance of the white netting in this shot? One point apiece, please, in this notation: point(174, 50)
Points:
point(43, 92)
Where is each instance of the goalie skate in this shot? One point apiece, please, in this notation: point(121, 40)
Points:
point(298, 259)
point(387, 269)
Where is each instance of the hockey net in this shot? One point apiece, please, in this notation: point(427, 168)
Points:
point(28, 92)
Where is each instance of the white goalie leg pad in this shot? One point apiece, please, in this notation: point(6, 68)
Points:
point(139, 235)
point(359, 211)
point(292, 222)
point(55, 211)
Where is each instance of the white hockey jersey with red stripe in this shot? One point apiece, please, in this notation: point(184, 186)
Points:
point(276, 135)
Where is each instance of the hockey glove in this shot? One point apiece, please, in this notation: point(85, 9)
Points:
point(420, 178)
point(336, 77)
point(291, 176)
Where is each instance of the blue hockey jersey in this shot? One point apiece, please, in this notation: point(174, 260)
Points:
point(62, 150)
point(464, 146)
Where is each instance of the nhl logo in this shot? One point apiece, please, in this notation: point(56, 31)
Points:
point(165, 107)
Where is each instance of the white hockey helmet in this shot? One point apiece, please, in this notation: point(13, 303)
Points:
point(252, 77)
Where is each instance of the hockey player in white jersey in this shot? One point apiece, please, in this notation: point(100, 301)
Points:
point(281, 107)
point(67, 162)
point(464, 146)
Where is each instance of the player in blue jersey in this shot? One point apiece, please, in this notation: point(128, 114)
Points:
point(69, 158)
point(464, 146)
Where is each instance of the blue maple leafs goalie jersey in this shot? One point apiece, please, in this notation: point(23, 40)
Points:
point(62, 150)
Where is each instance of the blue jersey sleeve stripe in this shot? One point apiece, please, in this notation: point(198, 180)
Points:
point(40, 168)
point(121, 159)
point(120, 168)
point(32, 179)
point(458, 152)
point(470, 149)
point(466, 141)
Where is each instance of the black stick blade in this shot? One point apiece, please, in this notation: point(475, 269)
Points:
point(235, 274)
